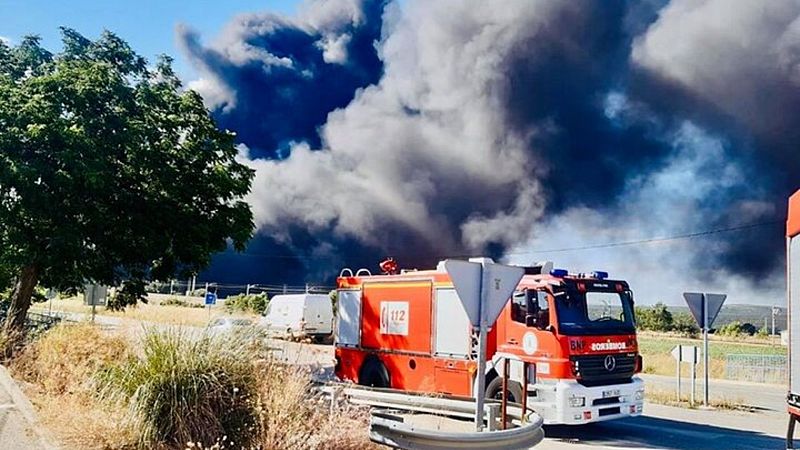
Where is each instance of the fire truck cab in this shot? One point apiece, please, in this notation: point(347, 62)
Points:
point(574, 335)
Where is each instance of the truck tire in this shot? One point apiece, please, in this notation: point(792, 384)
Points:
point(373, 373)
point(495, 387)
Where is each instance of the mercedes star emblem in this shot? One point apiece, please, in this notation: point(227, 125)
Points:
point(610, 363)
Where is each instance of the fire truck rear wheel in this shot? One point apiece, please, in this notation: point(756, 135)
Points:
point(373, 374)
point(495, 387)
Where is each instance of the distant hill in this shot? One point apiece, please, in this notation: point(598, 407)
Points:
point(754, 314)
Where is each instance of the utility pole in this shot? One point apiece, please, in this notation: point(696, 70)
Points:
point(775, 312)
point(706, 325)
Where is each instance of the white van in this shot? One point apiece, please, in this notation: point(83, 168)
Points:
point(299, 316)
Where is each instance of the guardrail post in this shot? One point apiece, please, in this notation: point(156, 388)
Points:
point(524, 391)
point(492, 411)
point(504, 403)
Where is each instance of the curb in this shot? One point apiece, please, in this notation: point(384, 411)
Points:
point(25, 408)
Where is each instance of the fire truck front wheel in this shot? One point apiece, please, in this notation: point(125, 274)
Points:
point(373, 373)
point(495, 387)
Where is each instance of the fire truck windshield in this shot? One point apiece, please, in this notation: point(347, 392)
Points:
point(594, 312)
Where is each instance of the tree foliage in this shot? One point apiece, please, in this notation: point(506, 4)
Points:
point(253, 303)
point(110, 172)
point(736, 329)
point(685, 324)
point(654, 318)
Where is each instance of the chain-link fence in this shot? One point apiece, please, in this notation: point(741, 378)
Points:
point(198, 288)
point(756, 368)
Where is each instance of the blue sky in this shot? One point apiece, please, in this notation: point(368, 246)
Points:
point(148, 25)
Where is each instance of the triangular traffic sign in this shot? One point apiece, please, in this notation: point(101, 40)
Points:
point(500, 282)
point(676, 353)
point(466, 278)
point(695, 302)
point(713, 305)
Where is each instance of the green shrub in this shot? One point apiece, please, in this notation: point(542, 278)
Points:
point(685, 324)
point(654, 318)
point(174, 301)
point(334, 296)
point(255, 304)
point(187, 389)
point(736, 328)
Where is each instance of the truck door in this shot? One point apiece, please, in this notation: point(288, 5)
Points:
point(527, 329)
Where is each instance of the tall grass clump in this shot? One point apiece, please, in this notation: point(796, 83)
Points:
point(188, 388)
point(291, 416)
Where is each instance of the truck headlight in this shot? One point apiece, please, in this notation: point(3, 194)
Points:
point(639, 395)
point(577, 402)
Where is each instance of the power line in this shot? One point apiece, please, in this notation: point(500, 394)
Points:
point(652, 240)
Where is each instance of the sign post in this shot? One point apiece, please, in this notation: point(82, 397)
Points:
point(484, 289)
point(93, 295)
point(704, 309)
point(690, 354)
point(211, 299)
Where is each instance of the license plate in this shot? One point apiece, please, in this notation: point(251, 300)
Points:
point(611, 393)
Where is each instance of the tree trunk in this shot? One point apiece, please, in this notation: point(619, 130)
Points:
point(14, 329)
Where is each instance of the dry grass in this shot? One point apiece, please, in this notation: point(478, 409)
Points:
point(655, 350)
point(664, 364)
point(290, 418)
point(666, 397)
point(57, 370)
point(126, 399)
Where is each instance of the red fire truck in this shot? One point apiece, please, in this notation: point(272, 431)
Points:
point(574, 335)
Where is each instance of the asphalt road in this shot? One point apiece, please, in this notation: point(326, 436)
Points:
point(666, 427)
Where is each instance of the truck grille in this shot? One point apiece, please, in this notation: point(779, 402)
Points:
point(597, 370)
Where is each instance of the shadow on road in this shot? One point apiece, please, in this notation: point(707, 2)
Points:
point(653, 432)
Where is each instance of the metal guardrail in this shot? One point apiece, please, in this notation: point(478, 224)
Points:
point(392, 431)
point(388, 428)
point(756, 368)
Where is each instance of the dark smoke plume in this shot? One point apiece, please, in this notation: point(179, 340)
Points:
point(429, 129)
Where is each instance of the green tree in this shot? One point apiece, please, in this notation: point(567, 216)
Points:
point(110, 172)
point(685, 324)
point(736, 328)
point(334, 296)
point(654, 318)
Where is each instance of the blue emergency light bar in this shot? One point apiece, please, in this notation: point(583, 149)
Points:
point(597, 274)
